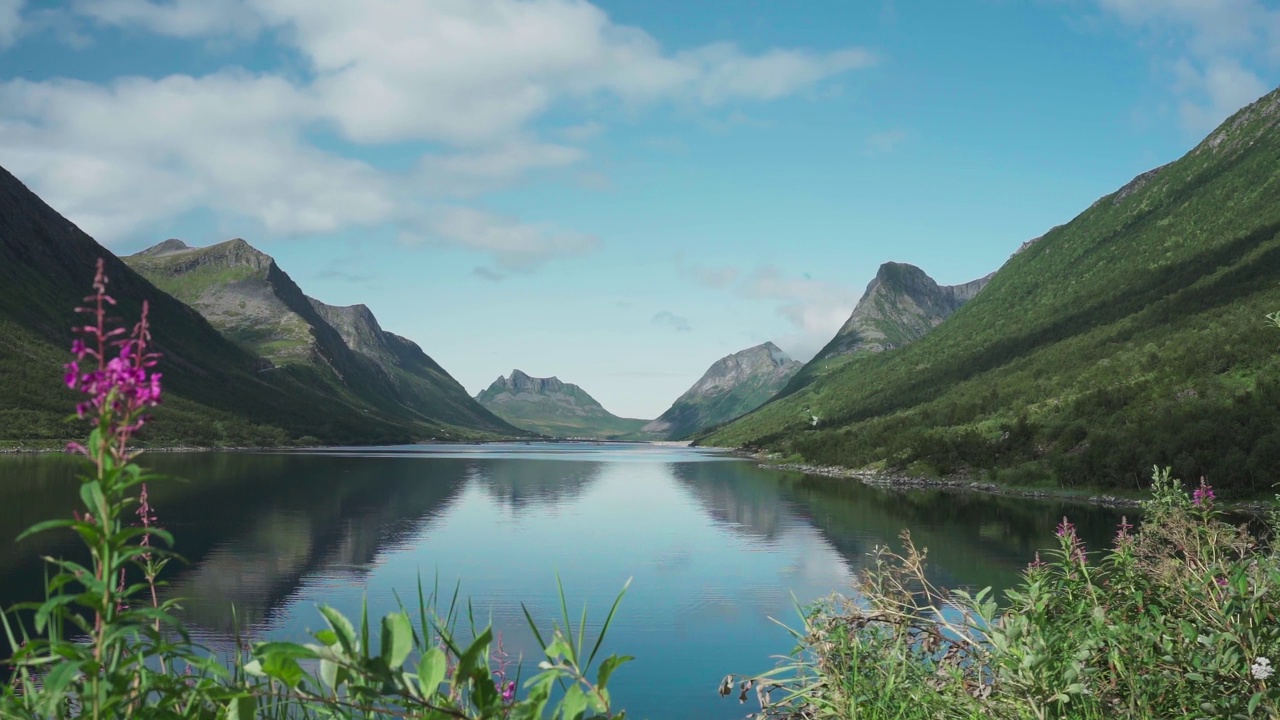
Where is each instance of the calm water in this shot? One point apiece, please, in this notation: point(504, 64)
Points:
point(715, 545)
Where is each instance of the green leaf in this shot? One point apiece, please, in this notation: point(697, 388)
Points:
point(431, 670)
point(284, 648)
point(346, 634)
point(474, 655)
point(1253, 702)
point(91, 494)
point(607, 667)
point(43, 526)
point(332, 674)
point(284, 668)
point(397, 639)
point(574, 703)
point(242, 708)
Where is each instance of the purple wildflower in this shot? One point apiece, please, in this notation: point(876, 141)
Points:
point(1203, 495)
point(1122, 531)
point(1036, 564)
point(506, 688)
point(117, 378)
point(1074, 545)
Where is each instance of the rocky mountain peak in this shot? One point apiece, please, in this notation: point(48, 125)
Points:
point(167, 247)
point(900, 305)
point(733, 385)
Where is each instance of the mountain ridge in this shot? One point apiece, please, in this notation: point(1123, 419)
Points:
point(735, 384)
point(247, 296)
point(550, 406)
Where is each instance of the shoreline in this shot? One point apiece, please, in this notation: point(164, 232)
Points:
point(900, 481)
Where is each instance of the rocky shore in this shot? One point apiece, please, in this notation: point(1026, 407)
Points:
point(961, 483)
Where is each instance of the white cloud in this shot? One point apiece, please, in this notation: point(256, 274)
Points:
point(1221, 49)
point(815, 308)
point(475, 171)
point(666, 318)
point(10, 21)
point(124, 156)
point(1214, 93)
point(514, 246)
point(178, 18)
point(465, 78)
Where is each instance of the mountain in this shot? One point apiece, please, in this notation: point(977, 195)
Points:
point(216, 391)
point(243, 293)
point(551, 407)
point(732, 386)
point(1129, 337)
point(418, 380)
point(900, 305)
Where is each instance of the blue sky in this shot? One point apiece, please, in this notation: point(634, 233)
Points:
point(619, 192)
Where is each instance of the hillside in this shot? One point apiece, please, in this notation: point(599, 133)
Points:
point(551, 407)
point(251, 300)
point(1131, 336)
point(901, 304)
point(217, 393)
point(732, 386)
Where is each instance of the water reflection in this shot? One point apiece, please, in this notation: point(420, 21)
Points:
point(715, 546)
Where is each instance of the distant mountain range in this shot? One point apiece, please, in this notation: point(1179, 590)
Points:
point(732, 386)
point(1129, 337)
point(557, 409)
point(243, 293)
point(288, 378)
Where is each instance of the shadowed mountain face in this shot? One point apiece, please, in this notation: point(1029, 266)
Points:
point(215, 391)
point(551, 407)
point(901, 304)
point(1132, 336)
point(733, 386)
point(251, 300)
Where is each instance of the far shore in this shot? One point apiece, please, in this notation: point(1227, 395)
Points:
point(960, 483)
point(867, 476)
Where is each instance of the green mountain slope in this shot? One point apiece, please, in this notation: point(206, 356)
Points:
point(1131, 336)
point(732, 386)
point(551, 407)
point(217, 393)
point(243, 293)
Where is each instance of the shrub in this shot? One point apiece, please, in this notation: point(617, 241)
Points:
point(1177, 619)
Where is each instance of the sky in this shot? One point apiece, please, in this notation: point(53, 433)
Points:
point(617, 192)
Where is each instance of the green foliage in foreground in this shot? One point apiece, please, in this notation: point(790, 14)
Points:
point(1177, 620)
point(1129, 337)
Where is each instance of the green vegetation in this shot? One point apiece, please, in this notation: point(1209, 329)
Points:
point(1129, 337)
point(1176, 620)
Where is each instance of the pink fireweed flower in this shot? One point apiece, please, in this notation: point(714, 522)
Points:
point(118, 381)
point(1075, 546)
point(1203, 495)
point(1036, 564)
point(1122, 530)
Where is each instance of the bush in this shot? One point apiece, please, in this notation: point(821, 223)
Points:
point(1177, 619)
